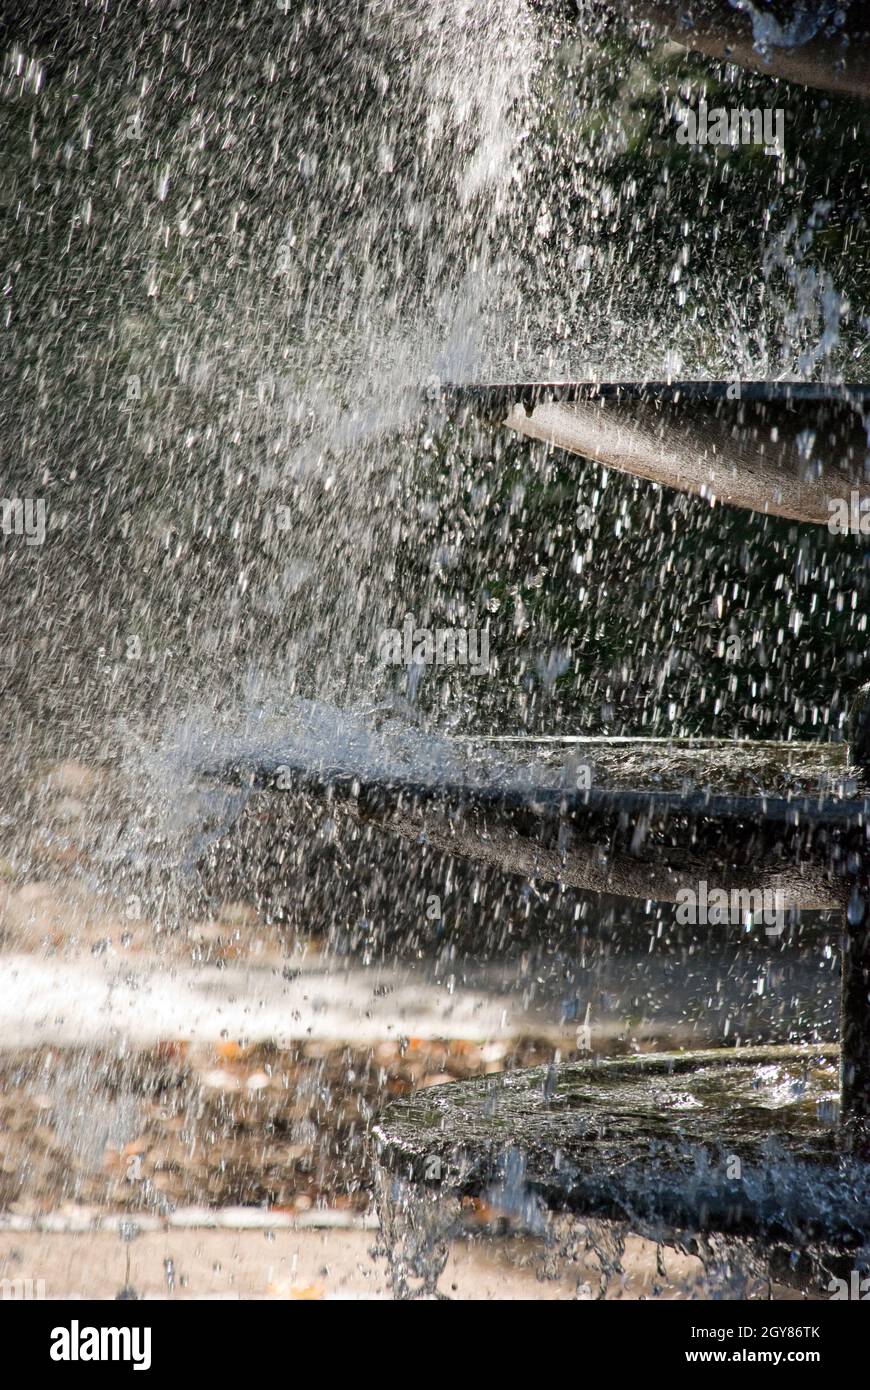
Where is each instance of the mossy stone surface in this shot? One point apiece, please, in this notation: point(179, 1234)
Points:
point(741, 1142)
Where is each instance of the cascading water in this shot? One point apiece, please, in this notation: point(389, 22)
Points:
point(243, 250)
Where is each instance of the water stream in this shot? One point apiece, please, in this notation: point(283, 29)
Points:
point(243, 249)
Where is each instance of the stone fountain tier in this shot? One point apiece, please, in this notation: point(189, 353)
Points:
point(791, 449)
point(680, 1146)
point(818, 46)
point(648, 818)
